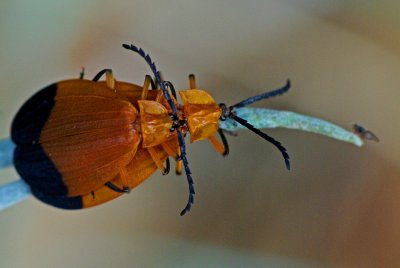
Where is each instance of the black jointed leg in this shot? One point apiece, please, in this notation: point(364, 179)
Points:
point(152, 84)
point(115, 188)
point(175, 113)
point(192, 81)
point(100, 74)
point(171, 87)
point(82, 73)
point(263, 96)
point(224, 142)
point(167, 167)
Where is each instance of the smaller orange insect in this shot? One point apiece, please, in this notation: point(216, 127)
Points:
point(80, 143)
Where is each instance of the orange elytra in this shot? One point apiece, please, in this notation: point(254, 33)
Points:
point(80, 143)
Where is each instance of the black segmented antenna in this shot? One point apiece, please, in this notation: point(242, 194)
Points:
point(265, 136)
point(264, 96)
point(156, 73)
point(228, 112)
point(175, 114)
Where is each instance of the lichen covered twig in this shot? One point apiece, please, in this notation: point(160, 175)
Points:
point(268, 118)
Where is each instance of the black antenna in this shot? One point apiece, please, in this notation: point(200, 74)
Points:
point(263, 96)
point(228, 112)
point(265, 136)
point(174, 111)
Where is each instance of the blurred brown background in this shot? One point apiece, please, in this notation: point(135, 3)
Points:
point(339, 206)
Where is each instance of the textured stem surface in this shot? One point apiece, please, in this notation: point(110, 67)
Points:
point(13, 193)
point(268, 118)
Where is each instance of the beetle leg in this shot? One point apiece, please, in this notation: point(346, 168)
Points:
point(178, 169)
point(125, 184)
point(224, 142)
point(220, 148)
point(82, 73)
point(171, 88)
point(157, 161)
point(124, 178)
point(146, 84)
point(153, 85)
point(110, 81)
point(229, 132)
point(100, 74)
point(170, 151)
point(159, 96)
point(167, 167)
point(192, 81)
point(115, 188)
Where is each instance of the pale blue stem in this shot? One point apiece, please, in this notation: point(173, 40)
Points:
point(6, 152)
point(268, 118)
point(14, 192)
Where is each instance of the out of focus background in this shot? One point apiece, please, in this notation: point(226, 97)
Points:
point(339, 206)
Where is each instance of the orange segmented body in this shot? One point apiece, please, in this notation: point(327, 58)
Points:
point(80, 143)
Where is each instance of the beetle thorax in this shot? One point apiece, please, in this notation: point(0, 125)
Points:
point(201, 112)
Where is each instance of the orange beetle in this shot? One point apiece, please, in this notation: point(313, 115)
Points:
point(80, 143)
